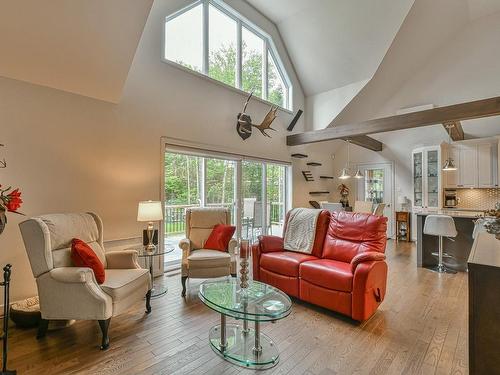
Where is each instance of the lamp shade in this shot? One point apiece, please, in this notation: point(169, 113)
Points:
point(149, 211)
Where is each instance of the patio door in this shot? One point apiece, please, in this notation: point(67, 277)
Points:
point(257, 193)
point(377, 186)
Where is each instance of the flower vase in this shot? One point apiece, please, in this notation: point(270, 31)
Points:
point(3, 220)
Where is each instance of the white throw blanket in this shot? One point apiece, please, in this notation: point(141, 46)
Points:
point(301, 230)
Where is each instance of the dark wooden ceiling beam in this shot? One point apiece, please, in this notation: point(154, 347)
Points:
point(455, 129)
point(457, 112)
point(366, 142)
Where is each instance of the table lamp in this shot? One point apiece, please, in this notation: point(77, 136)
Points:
point(150, 211)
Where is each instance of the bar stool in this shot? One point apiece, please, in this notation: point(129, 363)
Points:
point(441, 226)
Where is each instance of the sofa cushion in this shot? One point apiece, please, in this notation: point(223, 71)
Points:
point(284, 262)
point(330, 274)
point(120, 283)
point(219, 237)
point(206, 258)
point(83, 255)
point(352, 233)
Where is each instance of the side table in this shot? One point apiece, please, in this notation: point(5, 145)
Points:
point(156, 291)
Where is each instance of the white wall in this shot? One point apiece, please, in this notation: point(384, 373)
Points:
point(71, 153)
point(322, 108)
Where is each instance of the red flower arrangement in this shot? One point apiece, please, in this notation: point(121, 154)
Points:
point(10, 201)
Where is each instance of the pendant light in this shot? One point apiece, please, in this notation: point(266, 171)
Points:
point(344, 175)
point(449, 164)
point(358, 174)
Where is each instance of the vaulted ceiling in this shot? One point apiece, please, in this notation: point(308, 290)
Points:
point(84, 47)
point(333, 43)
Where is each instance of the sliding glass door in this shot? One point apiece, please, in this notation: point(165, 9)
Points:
point(256, 192)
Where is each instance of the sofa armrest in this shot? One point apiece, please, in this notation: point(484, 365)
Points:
point(185, 245)
point(72, 293)
point(368, 288)
point(125, 259)
point(269, 244)
point(367, 256)
point(231, 247)
point(73, 275)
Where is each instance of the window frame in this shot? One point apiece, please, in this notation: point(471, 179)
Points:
point(241, 21)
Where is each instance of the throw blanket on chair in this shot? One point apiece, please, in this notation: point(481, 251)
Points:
point(301, 230)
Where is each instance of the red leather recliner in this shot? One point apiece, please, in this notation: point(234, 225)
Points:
point(345, 272)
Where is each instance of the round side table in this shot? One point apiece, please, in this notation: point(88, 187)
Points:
point(156, 291)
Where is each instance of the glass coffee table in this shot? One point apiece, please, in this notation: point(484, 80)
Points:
point(240, 344)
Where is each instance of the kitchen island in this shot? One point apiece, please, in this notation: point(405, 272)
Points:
point(459, 247)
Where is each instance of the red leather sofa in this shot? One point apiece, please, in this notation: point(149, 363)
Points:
point(346, 271)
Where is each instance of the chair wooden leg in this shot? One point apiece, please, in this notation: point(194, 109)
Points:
point(183, 280)
point(42, 328)
point(148, 302)
point(104, 324)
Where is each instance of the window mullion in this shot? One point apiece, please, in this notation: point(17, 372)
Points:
point(264, 71)
point(205, 66)
point(239, 55)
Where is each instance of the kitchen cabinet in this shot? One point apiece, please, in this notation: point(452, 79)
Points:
point(426, 178)
point(468, 166)
point(476, 162)
point(486, 166)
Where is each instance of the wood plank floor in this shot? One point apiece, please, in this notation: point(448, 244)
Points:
point(421, 328)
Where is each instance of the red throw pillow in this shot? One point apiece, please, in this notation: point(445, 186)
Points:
point(82, 255)
point(220, 237)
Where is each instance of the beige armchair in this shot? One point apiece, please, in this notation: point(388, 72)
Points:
point(198, 262)
point(68, 292)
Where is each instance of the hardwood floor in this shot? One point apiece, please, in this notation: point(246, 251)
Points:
point(421, 328)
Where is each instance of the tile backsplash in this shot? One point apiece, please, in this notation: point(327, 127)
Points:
point(478, 199)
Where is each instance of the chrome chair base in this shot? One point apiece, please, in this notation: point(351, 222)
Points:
point(441, 268)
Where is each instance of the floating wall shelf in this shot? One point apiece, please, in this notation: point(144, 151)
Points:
point(308, 176)
point(314, 164)
point(327, 177)
point(299, 156)
point(319, 192)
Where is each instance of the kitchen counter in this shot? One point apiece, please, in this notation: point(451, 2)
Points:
point(472, 214)
point(459, 247)
point(484, 305)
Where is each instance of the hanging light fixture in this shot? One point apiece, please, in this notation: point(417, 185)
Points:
point(344, 175)
point(449, 164)
point(358, 174)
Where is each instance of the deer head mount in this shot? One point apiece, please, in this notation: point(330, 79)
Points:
point(244, 121)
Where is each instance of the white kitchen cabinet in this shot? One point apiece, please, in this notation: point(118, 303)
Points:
point(426, 178)
point(476, 162)
point(468, 166)
point(486, 165)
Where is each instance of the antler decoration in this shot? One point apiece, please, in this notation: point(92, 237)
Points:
point(266, 123)
point(3, 163)
point(244, 124)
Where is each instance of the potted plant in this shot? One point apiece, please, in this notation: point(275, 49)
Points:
point(344, 195)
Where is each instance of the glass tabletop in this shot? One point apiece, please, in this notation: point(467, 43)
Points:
point(259, 302)
point(143, 254)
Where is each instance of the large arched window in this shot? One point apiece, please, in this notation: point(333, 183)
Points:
point(211, 38)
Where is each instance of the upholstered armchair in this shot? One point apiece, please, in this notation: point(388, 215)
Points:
point(201, 263)
point(67, 292)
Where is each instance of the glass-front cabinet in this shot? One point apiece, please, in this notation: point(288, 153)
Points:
point(426, 178)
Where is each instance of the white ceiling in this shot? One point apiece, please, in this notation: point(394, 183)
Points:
point(81, 46)
point(333, 43)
